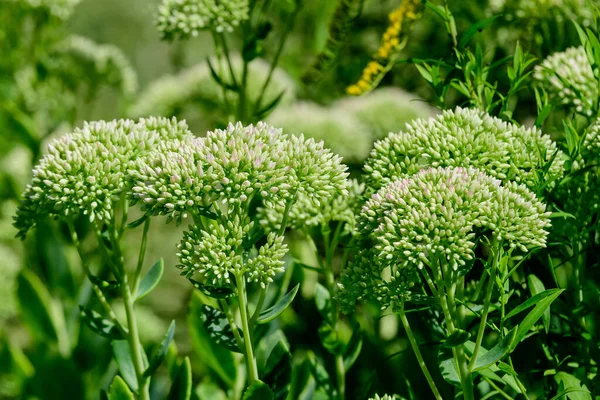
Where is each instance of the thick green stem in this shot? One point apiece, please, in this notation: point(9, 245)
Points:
point(415, 347)
point(447, 302)
point(252, 369)
point(486, 309)
point(141, 255)
point(134, 342)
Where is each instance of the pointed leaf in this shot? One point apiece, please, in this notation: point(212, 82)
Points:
point(273, 312)
point(211, 291)
point(119, 390)
point(181, 389)
point(217, 78)
point(218, 328)
point(99, 325)
point(536, 286)
point(151, 279)
point(487, 358)
point(353, 349)
point(122, 355)
point(531, 302)
point(473, 29)
point(573, 386)
point(258, 391)
point(278, 370)
point(448, 366)
point(161, 352)
point(534, 315)
point(270, 106)
point(138, 222)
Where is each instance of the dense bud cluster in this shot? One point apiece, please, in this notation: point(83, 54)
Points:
point(185, 18)
point(569, 80)
point(304, 213)
point(85, 171)
point(465, 138)
point(433, 218)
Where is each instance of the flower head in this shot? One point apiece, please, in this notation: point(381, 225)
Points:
point(568, 78)
point(233, 166)
point(84, 172)
point(435, 218)
point(467, 138)
point(185, 18)
point(215, 255)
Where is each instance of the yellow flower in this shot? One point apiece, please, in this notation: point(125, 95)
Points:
point(391, 44)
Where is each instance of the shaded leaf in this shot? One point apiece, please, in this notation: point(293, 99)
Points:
point(448, 366)
point(161, 352)
point(181, 389)
point(531, 302)
point(216, 357)
point(273, 312)
point(571, 387)
point(490, 357)
point(99, 325)
point(329, 339)
point(534, 315)
point(278, 369)
point(353, 348)
point(218, 328)
point(457, 338)
point(258, 391)
point(473, 29)
point(211, 291)
point(536, 286)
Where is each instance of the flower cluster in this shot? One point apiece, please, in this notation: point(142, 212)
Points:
point(108, 62)
point(432, 219)
point(467, 138)
point(385, 110)
point(391, 43)
point(215, 254)
point(169, 95)
point(341, 131)
point(185, 18)
point(303, 213)
point(568, 78)
point(85, 171)
point(232, 166)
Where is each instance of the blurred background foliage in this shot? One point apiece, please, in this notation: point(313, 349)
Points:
point(107, 61)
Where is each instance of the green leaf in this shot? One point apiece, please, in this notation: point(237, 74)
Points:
point(39, 311)
point(211, 291)
point(151, 279)
point(473, 29)
point(99, 325)
point(216, 357)
point(457, 338)
point(138, 221)
point(278, 369)
point(319, 373)
point(210, 391)
point(534, 315)
point(353, 348)
point(536, 286)
point(323, 301)
point(448, 366)
point(273, 312)
point(218, 328)
point(329, 339)
point(122, 355)
point(181, 389)
point(531, 302)
point(258, 391)
point(496, 353)
point(572, 387)
point(161, 352)
point(263, 112)
point(119, 390)
point(220, 82)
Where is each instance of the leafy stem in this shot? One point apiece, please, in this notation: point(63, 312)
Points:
point(252, 368)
